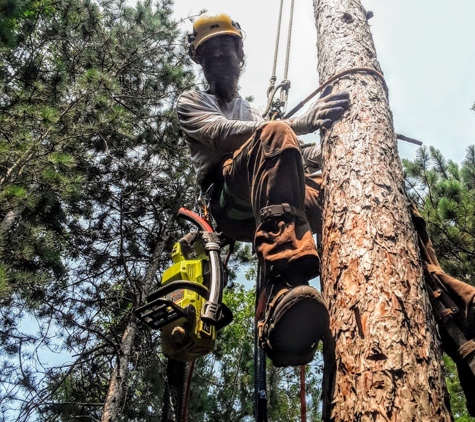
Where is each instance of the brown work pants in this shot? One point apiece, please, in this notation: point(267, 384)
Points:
point(268, 170)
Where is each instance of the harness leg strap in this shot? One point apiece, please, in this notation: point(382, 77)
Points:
point(279, 211)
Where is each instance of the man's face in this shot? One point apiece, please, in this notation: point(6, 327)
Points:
point(221, 65)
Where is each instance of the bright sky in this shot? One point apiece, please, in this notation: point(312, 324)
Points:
point(425, 48)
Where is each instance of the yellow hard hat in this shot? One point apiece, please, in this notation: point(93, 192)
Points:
point(207, 27)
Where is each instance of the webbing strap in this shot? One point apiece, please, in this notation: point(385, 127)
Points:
point(261, 324)
point(466, 349)
point(277, 211)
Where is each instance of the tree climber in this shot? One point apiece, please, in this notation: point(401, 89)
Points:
point(253, 172)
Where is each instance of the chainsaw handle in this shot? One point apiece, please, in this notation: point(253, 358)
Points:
point(175, 285)
point(194, 218)
point(212, 311)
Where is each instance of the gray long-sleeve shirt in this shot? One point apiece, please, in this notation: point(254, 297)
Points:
point(214, 131)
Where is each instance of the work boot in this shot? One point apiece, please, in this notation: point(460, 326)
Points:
point(292, 316)
point(294, 321)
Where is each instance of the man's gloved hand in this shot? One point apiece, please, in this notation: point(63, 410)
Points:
point(322, 113)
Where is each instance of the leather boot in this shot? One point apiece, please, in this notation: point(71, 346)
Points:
point(294, 321)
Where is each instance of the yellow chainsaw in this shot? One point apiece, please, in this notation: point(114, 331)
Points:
point(188, 307)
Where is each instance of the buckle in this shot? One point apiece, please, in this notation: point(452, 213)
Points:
point(466, 349)
point(277, 211)
point(288, 209)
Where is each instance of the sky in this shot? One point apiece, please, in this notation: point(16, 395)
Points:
point(425, 48)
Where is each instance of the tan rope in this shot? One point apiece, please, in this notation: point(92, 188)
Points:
point(333, 79)
point(303, 400)
point(277, 39)
point(289, 41)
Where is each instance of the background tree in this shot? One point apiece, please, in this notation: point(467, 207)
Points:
point(32, 182)
point(93, 168)
point(444, 192)
point(17, 17)
point(445, 195)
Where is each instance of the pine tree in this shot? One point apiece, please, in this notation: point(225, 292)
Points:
point(387, 354)
point(36, 169)
point(17, 17)
point(94, 170)
point(445, 194)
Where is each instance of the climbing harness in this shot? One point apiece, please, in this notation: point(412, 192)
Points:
point(275, 108)
point(188, 309)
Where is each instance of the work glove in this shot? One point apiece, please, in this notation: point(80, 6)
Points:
point(322, 113)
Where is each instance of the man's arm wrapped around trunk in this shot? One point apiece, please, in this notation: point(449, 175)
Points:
point(312, 156)
point(453, 303)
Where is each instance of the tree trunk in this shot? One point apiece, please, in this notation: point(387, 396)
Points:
point(115, 393)
point(388, 361)
point(10, 219)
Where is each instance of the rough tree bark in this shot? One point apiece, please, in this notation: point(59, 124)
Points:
point(388, 359)
point(115, 393)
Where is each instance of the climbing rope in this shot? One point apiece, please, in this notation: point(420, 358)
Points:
point(333, 79)
point(369, 70)
point(273, 77)
point(276, 108)
point(289, 41)
point(186, 398)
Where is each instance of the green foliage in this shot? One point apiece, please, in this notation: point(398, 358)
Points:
point(92, 166)
point(457, 398)
point(445, 195)
point(16, 18)
point(223, 385)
